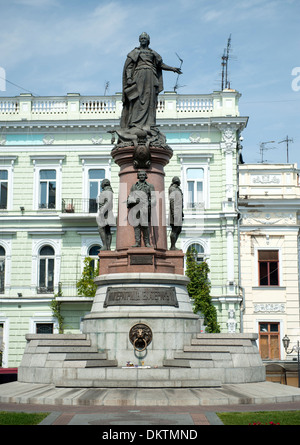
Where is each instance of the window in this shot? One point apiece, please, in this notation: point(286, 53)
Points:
point(195, 178)
point(93, 253)
point(47, 197)
point(199, 252)
point(44, 328)
point(268, 268)
point(47, 185)
point(2, 270)
point(95, 178)
point(269, 340)
point(46, 270)
point(3, 188)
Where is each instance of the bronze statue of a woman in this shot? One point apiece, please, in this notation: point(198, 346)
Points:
point(142, 82)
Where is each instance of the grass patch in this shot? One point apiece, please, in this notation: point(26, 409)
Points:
point(12, 418)
point(264, 417)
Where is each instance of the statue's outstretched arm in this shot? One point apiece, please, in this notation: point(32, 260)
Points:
point(170, 68)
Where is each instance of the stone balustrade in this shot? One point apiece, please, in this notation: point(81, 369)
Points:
point(74, 106)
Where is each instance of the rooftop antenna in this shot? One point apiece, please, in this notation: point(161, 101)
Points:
point(106, 87)
point(225, 58)
point(263, 148)
point(287, 140)
point(176, 86)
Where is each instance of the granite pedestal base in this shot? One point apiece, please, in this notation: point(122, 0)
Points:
point(159, 301)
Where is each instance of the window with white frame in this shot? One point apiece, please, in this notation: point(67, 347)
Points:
point(195, 197)
point(95, 177)
point(2, 270)
point(3, 189)
point(198, 251)
point(93, 254)
point(44, 328)
point(47, 189)
point(6, 181)
point(195, 170)
point(46, 263)
point(95, 168)
point(43, 323)
point(47, 182)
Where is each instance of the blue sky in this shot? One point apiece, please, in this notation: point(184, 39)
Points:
point(55, 47)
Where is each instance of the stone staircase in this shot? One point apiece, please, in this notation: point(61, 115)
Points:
point(209, 361)
point(46, 353)
point(230, 358)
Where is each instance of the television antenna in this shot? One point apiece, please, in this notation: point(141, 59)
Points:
point(176, 86)
point(263, 148)
point(287, 140)
point(106, 88)
point(225, 58)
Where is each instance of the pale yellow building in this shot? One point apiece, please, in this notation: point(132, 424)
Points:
point(269, 204)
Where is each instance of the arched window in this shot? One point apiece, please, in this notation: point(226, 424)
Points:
point(46, 270)
point(2, 269)
point(200, 254)
point(93, 253)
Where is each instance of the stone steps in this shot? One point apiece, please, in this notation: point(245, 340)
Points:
point(69, 383)
point(100, 363)
point(72, 349)
point(46, 353)
point(177, 363)
point(133, 378)
point(210, 360)
point(86, 356)
point(213, 352)
point(221, 342)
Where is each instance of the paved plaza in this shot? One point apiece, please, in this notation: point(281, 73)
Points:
point(173, 407)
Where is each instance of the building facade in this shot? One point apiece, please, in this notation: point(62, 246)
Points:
point(269, 254)
point(54, 153)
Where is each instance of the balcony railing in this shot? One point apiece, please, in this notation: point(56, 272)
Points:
point(43, 106)
point(9, 106)
point(97, 105)
point(47, 205)
point(75, 106)
point(45, 290)
point(194, 104)
point(77, 205)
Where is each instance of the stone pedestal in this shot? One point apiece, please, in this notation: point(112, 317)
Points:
point(157, 300)
point(128, 176)
point(141, 259)
point(141, 285)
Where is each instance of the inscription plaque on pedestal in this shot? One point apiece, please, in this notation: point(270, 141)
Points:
point(141, 259)
point(140, 296)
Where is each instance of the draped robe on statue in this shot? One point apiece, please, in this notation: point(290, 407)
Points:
point(143, 67)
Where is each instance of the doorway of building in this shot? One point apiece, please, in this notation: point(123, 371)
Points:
point(269, 340)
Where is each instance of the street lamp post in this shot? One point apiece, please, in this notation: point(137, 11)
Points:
point(286, 342)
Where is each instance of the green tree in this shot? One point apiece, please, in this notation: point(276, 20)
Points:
point(199, 291)
point(86, 286)
point(56, 309)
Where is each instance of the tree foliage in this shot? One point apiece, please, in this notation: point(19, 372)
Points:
point(199, 291)
point(86, 286)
